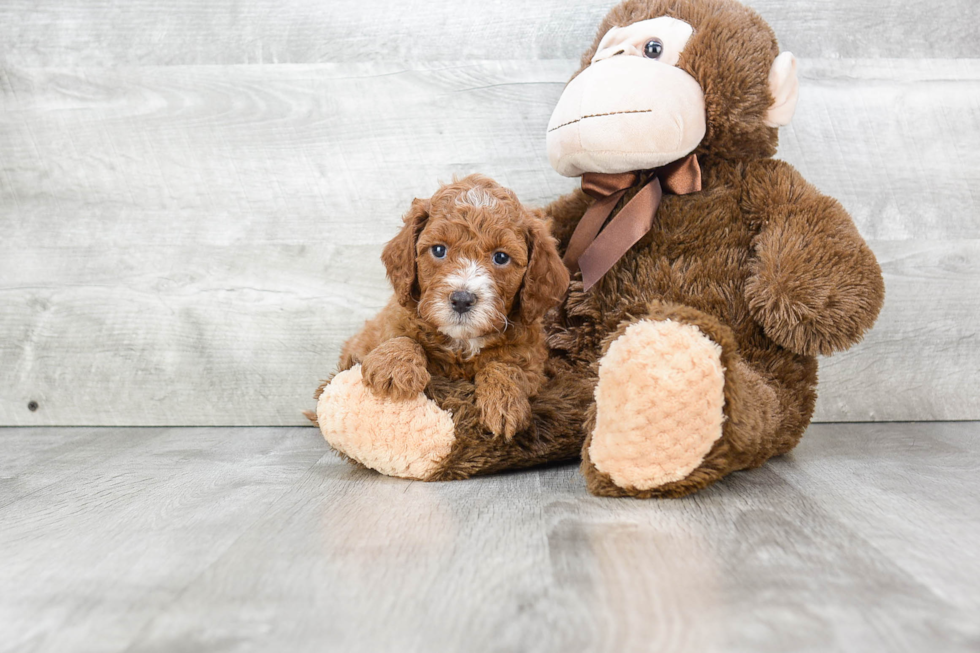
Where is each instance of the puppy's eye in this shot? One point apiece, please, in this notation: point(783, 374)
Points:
point(438, 251)
point(653, 49)
point(501, 258)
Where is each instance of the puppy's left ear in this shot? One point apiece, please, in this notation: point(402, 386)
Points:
point(546, 277)
point(399, 254)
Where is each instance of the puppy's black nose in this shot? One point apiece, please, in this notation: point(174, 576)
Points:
point(462, 301)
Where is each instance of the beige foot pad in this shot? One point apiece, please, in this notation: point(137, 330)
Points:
point(659, 402)
point(398, 438)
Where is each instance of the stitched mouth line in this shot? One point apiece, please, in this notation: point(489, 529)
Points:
point(597, 115)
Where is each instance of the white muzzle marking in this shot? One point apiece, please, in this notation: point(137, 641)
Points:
point(468, 328)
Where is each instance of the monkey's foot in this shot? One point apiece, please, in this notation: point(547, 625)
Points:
point(406, 438)
point(659, 409)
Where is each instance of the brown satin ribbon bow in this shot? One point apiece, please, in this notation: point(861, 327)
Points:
point(593, 249)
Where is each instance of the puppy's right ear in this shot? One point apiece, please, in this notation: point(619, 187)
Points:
point(546, 277)
point(399, 254)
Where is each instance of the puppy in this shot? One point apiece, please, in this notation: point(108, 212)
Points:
point(473, 272)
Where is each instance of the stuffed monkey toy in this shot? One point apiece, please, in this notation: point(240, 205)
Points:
point(706, 276)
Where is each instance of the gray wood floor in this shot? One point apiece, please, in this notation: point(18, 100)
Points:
point(240, 539)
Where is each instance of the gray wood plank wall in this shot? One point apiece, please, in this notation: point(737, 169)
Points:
point(193, 196)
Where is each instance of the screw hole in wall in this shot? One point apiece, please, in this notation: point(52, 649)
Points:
point(32, 406)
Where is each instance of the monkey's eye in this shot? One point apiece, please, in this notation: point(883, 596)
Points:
point(653, 49)
point(501, 258)
point(438, 251)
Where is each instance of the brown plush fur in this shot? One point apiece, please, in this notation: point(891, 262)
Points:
point(771, 270)
point(500, 344)
point(759, 261)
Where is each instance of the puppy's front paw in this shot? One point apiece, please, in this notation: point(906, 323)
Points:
point(396, 370)
point(504, 409)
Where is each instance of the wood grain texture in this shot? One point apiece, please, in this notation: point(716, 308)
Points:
point(191, 245)
point(922, 356)
point(45, 33)
point(257, 539)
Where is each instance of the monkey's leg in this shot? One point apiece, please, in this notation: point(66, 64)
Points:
point(677, 408)
point(440, 436)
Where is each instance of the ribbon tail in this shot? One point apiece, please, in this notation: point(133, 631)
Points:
point(588, 227)
point(626, 229)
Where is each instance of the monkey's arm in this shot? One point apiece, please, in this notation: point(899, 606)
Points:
point(815, 286)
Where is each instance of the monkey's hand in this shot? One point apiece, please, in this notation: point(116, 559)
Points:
point(815, 286)
point(396, 369)
point(501, 397)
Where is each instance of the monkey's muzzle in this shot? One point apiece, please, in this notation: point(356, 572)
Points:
point(625, 113)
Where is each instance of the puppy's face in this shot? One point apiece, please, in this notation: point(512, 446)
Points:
point(471, 259)
point(479, 260)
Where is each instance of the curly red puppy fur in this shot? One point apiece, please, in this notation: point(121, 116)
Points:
point(473, 271)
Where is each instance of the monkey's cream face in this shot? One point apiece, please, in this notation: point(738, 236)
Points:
point(632, 108)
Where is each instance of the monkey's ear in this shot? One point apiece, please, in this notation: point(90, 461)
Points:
point(399, 254)
point(546, 277)
point(785, 90)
